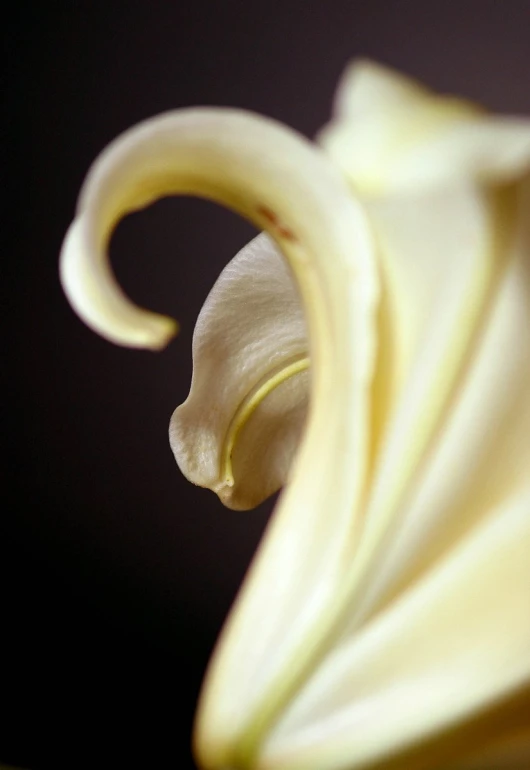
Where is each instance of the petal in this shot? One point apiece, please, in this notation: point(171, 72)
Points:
point(449, 253)
point(438, 257)
point(392, 135)
point(441, 260)
point(456, 642)
point(288, 187)
point(240, 425)
point(436, 649)
point(480, 452)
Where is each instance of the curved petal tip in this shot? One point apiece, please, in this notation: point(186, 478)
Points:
point(98, 300)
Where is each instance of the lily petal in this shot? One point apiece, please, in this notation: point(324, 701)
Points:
point(481, 452)
point(451, 410)
point(436, 641)
point(437, 644)
point(241, 423)
point(391, 134)
point(446, 558)
point(455, 643)
point(287, 187)
point(448, 243)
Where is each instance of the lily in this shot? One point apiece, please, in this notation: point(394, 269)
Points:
point(370, 353)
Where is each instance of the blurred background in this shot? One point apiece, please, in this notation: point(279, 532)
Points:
point(116, 573)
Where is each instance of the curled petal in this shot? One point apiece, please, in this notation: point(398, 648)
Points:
point(240, 425)
point(94, 294)
point(287, 187)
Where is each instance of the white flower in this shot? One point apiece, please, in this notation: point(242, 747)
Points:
point(385, 622)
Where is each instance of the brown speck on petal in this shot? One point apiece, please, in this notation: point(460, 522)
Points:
point(273, 219)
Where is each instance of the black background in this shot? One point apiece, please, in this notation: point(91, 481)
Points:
point(116, 573)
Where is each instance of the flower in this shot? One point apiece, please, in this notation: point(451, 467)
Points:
point(385, 622)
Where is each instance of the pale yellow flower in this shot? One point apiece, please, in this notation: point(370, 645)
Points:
point(385, 622)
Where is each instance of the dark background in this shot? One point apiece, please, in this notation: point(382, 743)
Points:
point(116, 573)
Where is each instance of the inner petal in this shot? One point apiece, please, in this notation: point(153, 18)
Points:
point(250, 337)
